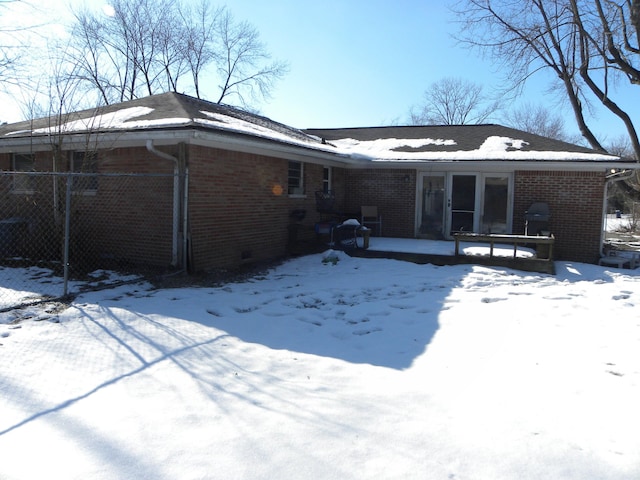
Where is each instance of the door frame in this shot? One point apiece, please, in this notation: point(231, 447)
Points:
point(479, 198)
point(449, 204)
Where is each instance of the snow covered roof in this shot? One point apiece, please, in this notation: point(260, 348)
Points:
point(164, 111)
point(371, 145)
point(453, 143)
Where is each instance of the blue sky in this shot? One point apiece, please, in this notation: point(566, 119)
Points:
point(356, 62)
point(366, 62)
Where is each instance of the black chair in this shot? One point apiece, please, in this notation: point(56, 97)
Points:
point(345, 236)
point(325, 204)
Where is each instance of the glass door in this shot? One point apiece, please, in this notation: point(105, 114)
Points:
point(431, 204)
point(462, 203)
point(495, 210)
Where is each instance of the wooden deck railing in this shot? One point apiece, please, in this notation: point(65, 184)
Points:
point(544, 244)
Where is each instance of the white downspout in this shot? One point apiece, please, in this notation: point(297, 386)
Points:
point(176, 200)
point(615, 177)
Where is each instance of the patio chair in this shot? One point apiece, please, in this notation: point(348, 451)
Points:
point(620, 259)
point(369, 217)
point(536, 219)
point(325, 204)
point(345, 235)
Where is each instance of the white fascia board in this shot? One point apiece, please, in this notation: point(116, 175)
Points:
point(268, 147)
point(501, 165)
point(138, 138)
point(83, 141)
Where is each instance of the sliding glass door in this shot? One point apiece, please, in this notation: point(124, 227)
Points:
point(431, 215)
point(495, 210)
point(463, 202)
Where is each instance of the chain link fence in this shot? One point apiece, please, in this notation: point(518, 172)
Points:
point(62, 233)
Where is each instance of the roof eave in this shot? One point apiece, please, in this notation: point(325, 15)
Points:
point(236, 141)
point(492, 165)
point(291, 150)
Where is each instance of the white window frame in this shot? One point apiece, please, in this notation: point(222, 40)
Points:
point(295, 183)
point(327, 176)
point(23, 184)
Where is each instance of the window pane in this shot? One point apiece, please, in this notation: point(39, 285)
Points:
point(295, 178)
point(84, 162)
point(463, 203)
point(326, 179)
point(463, 195)
point(23, 163)
point(432, 206)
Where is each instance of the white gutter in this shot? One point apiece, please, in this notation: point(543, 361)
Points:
point(616, 177)
point(176, 200)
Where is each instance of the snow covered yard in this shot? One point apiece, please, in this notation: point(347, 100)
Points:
point(366, 369)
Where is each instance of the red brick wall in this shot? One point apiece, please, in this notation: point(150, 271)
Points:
point(131, 218)
point(237, 214)
point(575, 200)
point(392, 191)
point(126, 218)
point(239, 209)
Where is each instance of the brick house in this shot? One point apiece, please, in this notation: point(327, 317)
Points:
point(430, 181)
point(230, 179)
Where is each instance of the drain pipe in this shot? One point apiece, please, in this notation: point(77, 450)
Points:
point(176, 200)
point(614, 177)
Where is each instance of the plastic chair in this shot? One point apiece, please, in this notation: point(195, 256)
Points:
point(370, 217)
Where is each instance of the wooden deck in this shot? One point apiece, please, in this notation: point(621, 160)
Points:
point(542, 262)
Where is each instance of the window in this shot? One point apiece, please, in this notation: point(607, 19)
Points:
point(84, 163)
point(326, 179)
point(23, 183)
point(296, 177)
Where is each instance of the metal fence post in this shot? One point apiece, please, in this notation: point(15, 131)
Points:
point(67, 230)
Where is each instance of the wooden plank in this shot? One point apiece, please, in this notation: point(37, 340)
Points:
point(504, 238)
point(515, 240)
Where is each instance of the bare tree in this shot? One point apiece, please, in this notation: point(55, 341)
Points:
point(587, 44)
point(7, 56)
point(136, 51)
point(14, 42)
point(149, 46)
point(539, 120)
point(453, 101)
point(202, 25)
point(244, 64)
point(620, 146)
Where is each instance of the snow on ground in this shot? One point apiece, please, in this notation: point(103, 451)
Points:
point(366, 369)
point(29, 284)
point(613, 223)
